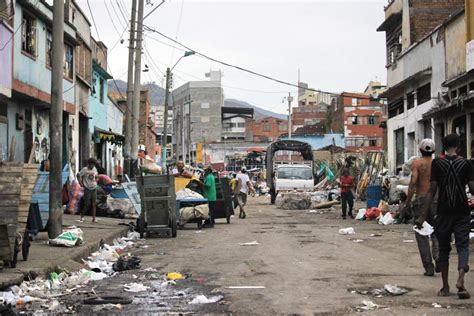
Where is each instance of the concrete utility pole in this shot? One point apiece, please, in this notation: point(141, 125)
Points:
point(290, 99)
point(56, 123)
point(164, 143)
point(128, 118)
point(137, 83)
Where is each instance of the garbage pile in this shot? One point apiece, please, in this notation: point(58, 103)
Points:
point(105, 263)
point(294, 201)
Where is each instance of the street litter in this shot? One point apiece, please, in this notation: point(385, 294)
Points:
point(252, 243)
point(426, 229)
point(201, 299)
point(347, 231)
point(436, 305)
point(361, 214)
point(250, 287)
point(375, 235)
point(135, 287)
point(395, 290)
point(408, 240)
point(133, 236)
point(70, 237)
point(128, 263)
point(367, 306)
point(356, 240)
point(172, 276)
point(387, 219)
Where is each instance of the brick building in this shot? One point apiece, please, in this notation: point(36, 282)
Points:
point(146, 130)
point(267, 129)
point(362, 117)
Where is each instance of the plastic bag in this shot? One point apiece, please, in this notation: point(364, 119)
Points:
point(69, 238)
point(347, 231)
point(372, 213)
point(387, 219)
point(426, 230)
point(360, 215)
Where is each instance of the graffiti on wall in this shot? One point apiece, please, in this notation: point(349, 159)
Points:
point(41, 135)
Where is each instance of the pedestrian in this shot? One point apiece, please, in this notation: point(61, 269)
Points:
point(180, 171)
point(449, 174)
point(208, 185)
point(420, 184)
point(347, 197)
point(88, 176)
point(241, 190)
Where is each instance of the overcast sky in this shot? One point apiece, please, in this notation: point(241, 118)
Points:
point(333, 43)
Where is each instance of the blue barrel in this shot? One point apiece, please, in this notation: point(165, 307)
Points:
point(373, 195)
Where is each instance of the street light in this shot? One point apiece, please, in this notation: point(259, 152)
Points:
point(164, 143)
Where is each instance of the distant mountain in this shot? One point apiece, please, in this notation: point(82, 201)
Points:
point(157, 93)
point(259, 113)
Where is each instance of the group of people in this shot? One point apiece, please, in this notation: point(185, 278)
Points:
point(239, 183)
point(437, 195)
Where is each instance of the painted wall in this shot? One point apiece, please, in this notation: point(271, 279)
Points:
point(455, 47)
point(13, 109)
point(114, 117)
point(6, 59)
point(32, 70)
point(98, 110)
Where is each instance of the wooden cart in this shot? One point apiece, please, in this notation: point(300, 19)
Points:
point(17, 181)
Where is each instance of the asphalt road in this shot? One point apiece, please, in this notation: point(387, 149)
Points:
point(302, 262)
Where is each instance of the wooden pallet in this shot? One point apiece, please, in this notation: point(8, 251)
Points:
point(30, 174)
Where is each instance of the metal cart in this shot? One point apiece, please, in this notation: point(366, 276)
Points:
point(16, 187)
point(224, 207)
point(158, 205)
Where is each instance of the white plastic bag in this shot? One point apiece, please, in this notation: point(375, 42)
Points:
point(387, 219)
point(347, 231)
point(426, 230)
point(69, 238)
point(360, 214)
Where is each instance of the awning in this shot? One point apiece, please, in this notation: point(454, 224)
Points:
point(101, 135)
point(390, 22)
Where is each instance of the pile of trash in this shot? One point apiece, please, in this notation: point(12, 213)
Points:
point(386, 290)
point(105, 263)
point(294, 201)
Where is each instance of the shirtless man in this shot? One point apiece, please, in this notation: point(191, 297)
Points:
point(420, 183)
point(180, 171)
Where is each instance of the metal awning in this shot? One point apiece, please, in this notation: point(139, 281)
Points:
point(390, 22)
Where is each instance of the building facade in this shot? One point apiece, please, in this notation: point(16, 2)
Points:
point(233, 122)
point(268, 129)
point(197, 115)
point(416, 70)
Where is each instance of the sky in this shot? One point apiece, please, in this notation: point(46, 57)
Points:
point(334, 44)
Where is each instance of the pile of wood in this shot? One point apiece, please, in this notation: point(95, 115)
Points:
point(374, 164)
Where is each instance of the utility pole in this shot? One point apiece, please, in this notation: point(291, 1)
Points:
point(137, 83)
point(56, 123)
point(290, 99)
point(164, 143)
point(128, 118)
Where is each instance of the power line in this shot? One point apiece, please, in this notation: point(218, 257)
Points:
point(237, 67)
point(124, 16)
point(11, 37)
point(119, 16)
point(111, 19)
point(177, 29)
point(93, 20)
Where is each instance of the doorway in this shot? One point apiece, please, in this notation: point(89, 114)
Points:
point(28, 134)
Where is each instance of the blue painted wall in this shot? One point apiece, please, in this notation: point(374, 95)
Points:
point(97, 109)
point(319, 141)
point(34, 71)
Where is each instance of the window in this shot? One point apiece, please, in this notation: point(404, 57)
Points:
point(354, 101)
point(353, 120)
point(266, 127)
point(372, 142)
point(101, 90)
point(282, 127)
point(424, 94)
point(204, 105)
point(373, 120)
point(395, 108)
point(49, 48)
point(399, 146)
point(28, 35)
point(68, 62)
point(410, 100)
point(240, 124)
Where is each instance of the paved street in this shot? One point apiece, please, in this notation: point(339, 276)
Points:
point(304, 264)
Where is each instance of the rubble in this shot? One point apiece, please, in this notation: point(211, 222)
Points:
point(294, 201)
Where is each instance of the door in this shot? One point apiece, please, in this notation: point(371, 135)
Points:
point(400, 147)
point(28, 134)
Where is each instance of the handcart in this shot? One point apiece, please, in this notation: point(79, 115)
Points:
point(189, 203)
point(223, 205)
point(158, 204)
point(16, 187)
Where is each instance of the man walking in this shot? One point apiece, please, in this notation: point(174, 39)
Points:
point(450, 173)
point(88, 176)
point(347, 197)
point(241, 190)
point(420, 183)
point(208, 185)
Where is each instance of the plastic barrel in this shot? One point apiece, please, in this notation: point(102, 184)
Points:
point(374, 195)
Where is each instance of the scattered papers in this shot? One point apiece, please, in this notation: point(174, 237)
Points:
point(135, 287)
point(252, 243)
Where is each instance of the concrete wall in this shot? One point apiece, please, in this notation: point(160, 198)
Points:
point(455, 47)
point(114, 117)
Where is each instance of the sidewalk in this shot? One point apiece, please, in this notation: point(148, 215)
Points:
point(43, 258)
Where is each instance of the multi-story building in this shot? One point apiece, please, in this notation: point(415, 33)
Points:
point(197, 115)
point(233, 122)
point(265, 130)
point(26, 113)
point(362, 118)
point(416, 69)
point(454, 111)
point(147, 137)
